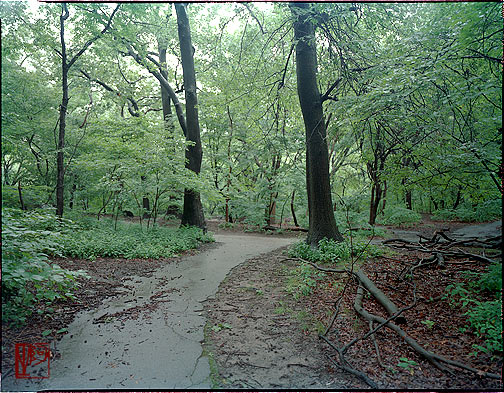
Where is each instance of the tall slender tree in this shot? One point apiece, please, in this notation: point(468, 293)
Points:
point(66, 64)
point(193, 210)
point(321, 216)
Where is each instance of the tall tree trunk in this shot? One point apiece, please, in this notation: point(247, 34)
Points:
point(193, 210)
point(60, 168)
point(407, 198)
point(167, 112)
point(321, 215)
point(165, 97)
point(145, 202)
point(459, 198)
point(382, 210)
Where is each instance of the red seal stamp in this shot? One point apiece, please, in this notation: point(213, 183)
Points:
point(32, 360)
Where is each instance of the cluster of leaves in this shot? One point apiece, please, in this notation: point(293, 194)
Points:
point(486, 211)
point(332, 251)
point(397, 215)
point(28, 277)
point(483, 317)
point(303, 279)
point(130, 240)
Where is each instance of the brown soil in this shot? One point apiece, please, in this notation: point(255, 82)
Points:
point(260, 337)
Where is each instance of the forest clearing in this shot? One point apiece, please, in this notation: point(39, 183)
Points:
point(251, 196)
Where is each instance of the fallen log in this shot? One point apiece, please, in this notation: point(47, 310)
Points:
point(435, 359)
point(380, 296)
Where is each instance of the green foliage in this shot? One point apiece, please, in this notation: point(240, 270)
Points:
point(226, 225)
point(130, 240)
point(407, 364)
point(397, 215)
point(334, 252)
point(28, 278)
point(491, 280)
point(220, 326)
point(485, 211)
point(430, 324)
point(303, 279)
point(483, 317)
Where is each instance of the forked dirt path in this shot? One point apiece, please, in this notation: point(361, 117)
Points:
point(150, 336)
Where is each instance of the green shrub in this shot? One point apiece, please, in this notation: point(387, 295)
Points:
point(27, 276)
point(356, 219)
point(396, 215)
point(226, 225)
point(303, 279)
point(332, 251)
point(485, 211)
point(483, 317)
point(33, 196)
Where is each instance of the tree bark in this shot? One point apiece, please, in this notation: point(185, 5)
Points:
point(60, 179)
point(165, 97)
point(193, 210)
point(321, 215)
point(407, 198)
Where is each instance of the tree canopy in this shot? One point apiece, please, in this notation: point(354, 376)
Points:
point(410, 96)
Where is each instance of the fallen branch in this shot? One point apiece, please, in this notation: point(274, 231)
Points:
point(430, 356)
point(346, 366)
point(379, 296)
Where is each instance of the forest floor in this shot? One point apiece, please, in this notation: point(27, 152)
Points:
point(271, 339)
point(258, 336)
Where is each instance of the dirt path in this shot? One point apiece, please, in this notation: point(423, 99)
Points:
point(150, 336)
point(261, 338)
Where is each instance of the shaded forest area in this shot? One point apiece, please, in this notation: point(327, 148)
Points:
point(332, 120)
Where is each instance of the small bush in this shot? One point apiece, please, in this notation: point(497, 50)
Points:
point(303, 279)
point(331, 251)
point(130, 240)
point(226, 225)
point(396, 215)
point(27, 276)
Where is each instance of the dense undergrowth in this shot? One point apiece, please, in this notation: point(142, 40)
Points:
point(31, 238)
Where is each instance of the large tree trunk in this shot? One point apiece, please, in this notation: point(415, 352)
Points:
point(321, 215)
point(193, 210)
